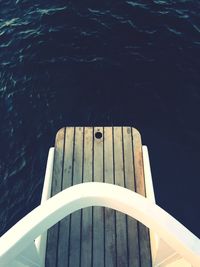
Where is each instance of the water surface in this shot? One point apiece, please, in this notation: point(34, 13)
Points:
point(100, 63)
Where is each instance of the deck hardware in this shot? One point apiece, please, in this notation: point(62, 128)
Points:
point(98, 135)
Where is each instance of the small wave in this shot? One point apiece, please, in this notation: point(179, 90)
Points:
point(196, 28)
point(97, 12)
point(162, 2)
point(182, 13)
point(5, 45)
point(174, 31)
point(196, 42)
point(17, 167)
point(30, 33)
point(10, 23)
point(47, 11)
point(88, 59)
point(135, 4)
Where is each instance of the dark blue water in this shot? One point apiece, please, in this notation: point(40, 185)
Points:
point(100, 63)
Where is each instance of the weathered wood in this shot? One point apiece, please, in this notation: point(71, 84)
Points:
point(132, 228)
point(143, 232)
point(121, 234)
point(75, 229)
point(86, 230)
point(98, 236)
point(98, 212)
point(51, 252)
point(64, 228)
point(110, 226)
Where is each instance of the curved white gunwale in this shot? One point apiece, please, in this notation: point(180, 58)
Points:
point(84, 195)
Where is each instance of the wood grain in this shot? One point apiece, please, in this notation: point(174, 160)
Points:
point(143, 232)
point(53, 232)
point(97, 236)
point(98, 212)
point(110, 218)
point(86, 231)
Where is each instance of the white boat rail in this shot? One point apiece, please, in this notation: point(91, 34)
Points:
point(18, 249)
point(23, 234)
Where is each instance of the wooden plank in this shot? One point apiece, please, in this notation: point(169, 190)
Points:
point(121, 235)
point(110, 227)
point(143, 232)
point(75, 229)
point(51, 252)
point(86, 234)
point(63, 244)
point(138, 162)
point(132, 229)
point(97, 236)
point(98, 212)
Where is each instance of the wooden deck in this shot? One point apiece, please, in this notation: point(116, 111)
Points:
point(98, 236)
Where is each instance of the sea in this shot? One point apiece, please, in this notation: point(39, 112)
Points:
point(105, 63)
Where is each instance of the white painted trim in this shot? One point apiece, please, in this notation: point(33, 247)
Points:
point(46, 193)
point(40, 241)
point(29, 257)
point(161, 253)
point(84, 195)
point(147, 175)
point(178, 263)
point(154, 238)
